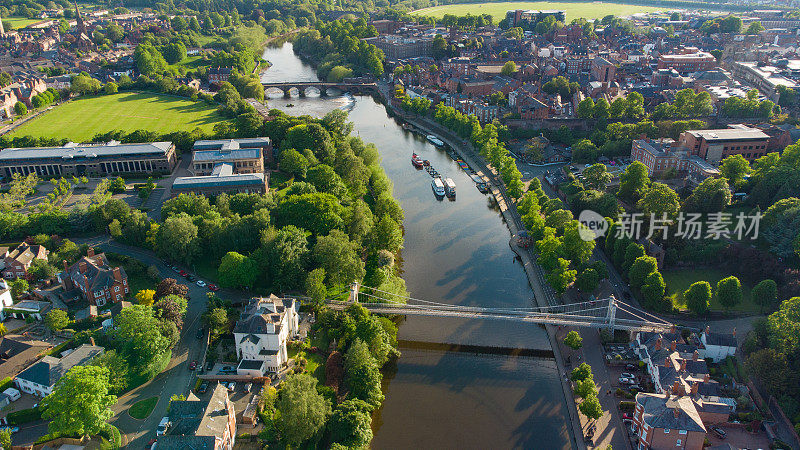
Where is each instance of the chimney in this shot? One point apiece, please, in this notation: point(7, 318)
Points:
point(676, 412)
point(683, 365)
point(734, 331)
point(658, 344)
point(708, 329)
point(117, 274)
point(695, 386)
point(82, 266)
point(677, 388)
point(695, 355)
point(706, 378)
point(673, 345)
point(90, 252)
point(65, 265)
point(91, 340)
point(667, 362)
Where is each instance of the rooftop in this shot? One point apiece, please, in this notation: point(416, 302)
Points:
point(49, 370)
point(742, 133)
point(72, 150)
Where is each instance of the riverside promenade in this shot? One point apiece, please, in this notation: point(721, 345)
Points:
point(543, 293)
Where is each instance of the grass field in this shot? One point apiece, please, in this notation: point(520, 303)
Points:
point(141, 409)
point(680, 280)
point(19, 22)
point(589, 10)
point(79, 120)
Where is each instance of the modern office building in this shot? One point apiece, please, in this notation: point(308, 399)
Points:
point(89, 159)
point(245, 155)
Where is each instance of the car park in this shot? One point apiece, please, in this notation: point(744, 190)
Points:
point(201, 283)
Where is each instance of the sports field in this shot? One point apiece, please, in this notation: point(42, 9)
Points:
point(588, 10)
point(80, 119)
point(20, 22)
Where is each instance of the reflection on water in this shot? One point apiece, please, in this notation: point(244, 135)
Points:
point(455, 252)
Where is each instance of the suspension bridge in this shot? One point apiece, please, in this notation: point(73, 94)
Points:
point(601, 313)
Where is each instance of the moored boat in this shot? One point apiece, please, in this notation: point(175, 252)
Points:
point(480, 184)
point(450, 187)
point(434, 140)
point(416, 161)
point(438, 187)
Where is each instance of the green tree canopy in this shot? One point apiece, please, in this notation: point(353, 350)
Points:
point(303, 411)
point(79, 404)
point(729, 292)
point(573, 340)
point(698, 297)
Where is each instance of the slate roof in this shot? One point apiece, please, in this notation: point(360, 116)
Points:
point(49, 370)
point(72, 150)
point(658, 412)
point(99, 272)
point(720, 339)
point(196, 423)
point(261, 312)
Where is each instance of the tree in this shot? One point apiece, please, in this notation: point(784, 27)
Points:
point(111, 88)
point(765, 293)
point(18, 286)
point(729, 292)
point(582, 372)
point(303, 410)
point(573, 340)
point(42, 270)
point(586, 388)
point(237, 271)
point(339, 257)
point(734, 168)
point(602, 110)
point(711, 195)
point(653, 290)
point(755, 28)
point(561, 277)
point(509, 68)
point(217, 321)
point(587, 280)
point(633, 181)
point(20, 109)
point(698, 297)
point(294, 163)
point(145, 297)
point(315, 286)
point(784, 326)
point(5, 438)
point(660, 200)
point(137, 335)
point(632, 252)
point(79, 404)
point(641, 269)
point(177, 238)
point(771, 368)
point(577, 245)
point(362, 374)
point(597, 176)
point(349, 424)
point(586, 108)
point(56, 319)
point(387, 235)
point(169, 286)
point(590, 407)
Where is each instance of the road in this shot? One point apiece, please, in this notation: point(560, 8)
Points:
point(177, 378)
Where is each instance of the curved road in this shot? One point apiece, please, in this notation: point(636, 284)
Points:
point(177, 378)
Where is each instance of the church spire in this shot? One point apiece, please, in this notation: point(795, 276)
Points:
point(81, 25)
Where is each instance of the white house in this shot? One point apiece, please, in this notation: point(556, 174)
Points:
point(5, 299)
point(40, 377)
point(261, 334)
point(717, 346)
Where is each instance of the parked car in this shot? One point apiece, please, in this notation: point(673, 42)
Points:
point(162, 426)
point(626, 375)
point(635, 387)
point(227, 369)
point(209, 365)
point(182, 273)
point(201, 283)
point(248, 387)
point(203, 388)
point(625, 380)
point(626, 416)
point(231, 386)
point(719, 432)
point(193, 365)
point(213, 287)
point(175, 268)
point(191, 278)
point(200, 333)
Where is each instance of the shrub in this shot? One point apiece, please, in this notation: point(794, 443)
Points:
point(626, 406)
point(24, 416)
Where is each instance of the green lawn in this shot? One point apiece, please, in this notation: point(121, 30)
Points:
point(80, 119)
point(19, 22)
point(679, 280)
point(574, 10)
point(141, 409)
point(191, 62)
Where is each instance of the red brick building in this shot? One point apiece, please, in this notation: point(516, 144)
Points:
point(96, 280)
point(716, 145)
point(18, 261)
point(687, 61)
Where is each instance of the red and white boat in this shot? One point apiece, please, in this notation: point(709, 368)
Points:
point(416, 161)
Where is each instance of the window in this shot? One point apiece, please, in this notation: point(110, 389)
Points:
point(683, 432)
point(116, 288)
point(666, 430)
point(678, 443)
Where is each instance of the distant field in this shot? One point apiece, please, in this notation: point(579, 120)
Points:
point(20, 22)
point(79, 120)
point(593, 10)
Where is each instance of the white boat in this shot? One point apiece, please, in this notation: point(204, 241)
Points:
point(434, 140)
point(450, 187)
point(438, 186)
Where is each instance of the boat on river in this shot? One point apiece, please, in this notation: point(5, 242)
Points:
point(434, 140)
point(416, 161)
point(438, 187)
point(450, 187)
point(479, 183)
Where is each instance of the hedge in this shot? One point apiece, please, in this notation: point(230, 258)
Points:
point(24, 416)
point(626, 406)
point(6, 383)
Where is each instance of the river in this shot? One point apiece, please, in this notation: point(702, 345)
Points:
point(455, 252)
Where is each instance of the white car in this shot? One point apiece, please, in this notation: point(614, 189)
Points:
point(201, 283)
point(162, 426)
point(624, 380)
point(626, 375)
